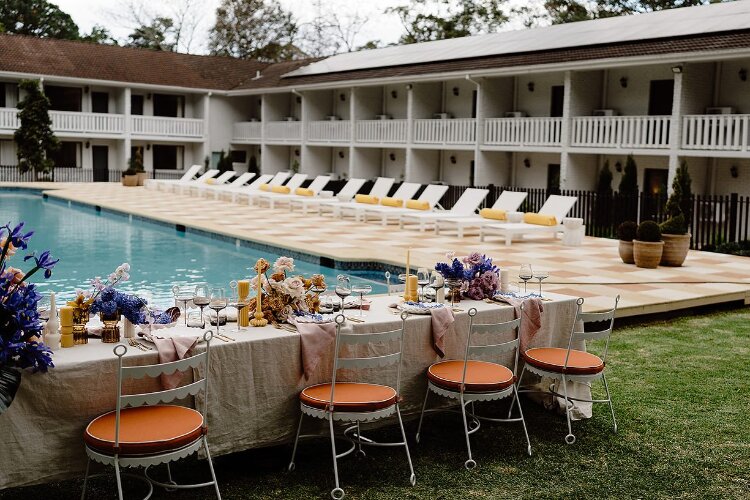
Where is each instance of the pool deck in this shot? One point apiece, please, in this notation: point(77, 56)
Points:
point(592, 271)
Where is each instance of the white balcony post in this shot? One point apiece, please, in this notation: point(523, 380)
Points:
point(352, 129)
point(675, 126)
point(565, 130)
point(206, 127)
point(478, 128)
point(262, 119)
point(409, 130)
point(128, 127)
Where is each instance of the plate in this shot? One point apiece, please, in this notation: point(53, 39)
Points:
point(146, 337)
point(419, 307)
point(314, 318)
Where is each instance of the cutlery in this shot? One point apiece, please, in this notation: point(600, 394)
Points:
point(138, 345)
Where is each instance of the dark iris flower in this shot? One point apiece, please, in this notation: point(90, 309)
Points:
point(44, 261)
point(16, 236)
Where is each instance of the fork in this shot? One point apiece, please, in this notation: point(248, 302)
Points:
point(135, 343)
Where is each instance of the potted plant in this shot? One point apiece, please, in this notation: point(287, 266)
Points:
point(136, 165)
point(648, 246)
point(675, 229)
point(130, 177)
point(626, 233)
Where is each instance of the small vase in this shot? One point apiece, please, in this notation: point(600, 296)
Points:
point(454, 291)
point(80, 319)
point(10, 380)
point(110, 331)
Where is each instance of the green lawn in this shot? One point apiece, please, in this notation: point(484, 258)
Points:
point(682, 402)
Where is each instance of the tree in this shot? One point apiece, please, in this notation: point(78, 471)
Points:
point(681, 199)
point(426, 20)
point(629, 180)
point(253, 29)
point(155, 36)
point(567, 11)
point(34, 138)
point(101, 35)
point(604, 185)
point(168, 25)
point(38, 18)
point(329, 33)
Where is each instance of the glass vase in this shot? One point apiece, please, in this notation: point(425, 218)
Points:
point(80, 319)
point(111, 330)
point(454, 290)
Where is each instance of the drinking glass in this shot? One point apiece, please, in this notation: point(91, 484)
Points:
point(525, 274)
point(343, 288)
point(201, 300)
point(423, 279)
point(184, 294)
point(541, 275)
point(436, 283)
point(362, 289)
point(218, 302)
point(235, 302)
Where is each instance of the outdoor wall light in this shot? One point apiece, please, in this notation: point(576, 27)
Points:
point(409, 86)
point(530, 86)
point(87, 144)
point(86, 89)
point(394, 94)
point(618, 167)
point(527, 163)
point(299, 100)
point(296, 152)
point(342, 97)
point(260, 101)
point(392, 156)
point(341, 155)
point(148, 97)
point(677, 69)
point(734, 171)
point(453, 159)
point(456, 91)
point(624, 82)
point(742, 73)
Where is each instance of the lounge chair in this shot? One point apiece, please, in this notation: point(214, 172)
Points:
point(427, 201)
point(380, 189)
point(347, 192)
point(293, 183)
point(157, 184)
point(181, 186)
point(547, 220)
point(315, 187)
point(466, 205)
point(247, 193)
point(220, 192)
point(405, 191)
point(222, 179)
point(214, 189)
point(508, 201)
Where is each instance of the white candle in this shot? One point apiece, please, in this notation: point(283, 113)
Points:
point(52, 322)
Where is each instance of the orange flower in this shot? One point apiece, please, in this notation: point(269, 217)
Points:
point(11, 248)
point(262, 266)
point(17, 275)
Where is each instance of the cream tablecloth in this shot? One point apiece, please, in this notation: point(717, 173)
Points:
point(253, 392)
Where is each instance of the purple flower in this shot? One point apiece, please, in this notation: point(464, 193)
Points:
point(44, 261)
point(474, 259)
point(15, 235)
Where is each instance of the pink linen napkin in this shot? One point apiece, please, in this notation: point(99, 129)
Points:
point(442, 319)
point(173, 349)
point(315, 339)
point(531, 321)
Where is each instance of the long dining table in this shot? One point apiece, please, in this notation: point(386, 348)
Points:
point(254, 385)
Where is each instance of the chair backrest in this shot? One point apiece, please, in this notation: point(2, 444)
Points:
point(279, 179)
point(225, 176)
point(578, 331)
point(407, 190)
point(200, 383)
point(190, 173)
point(509, 201)
point(559, 206)
point(242, 179)
point(370, 360)
point(382, 186)
point(395, 287)
point(492, 347)
point(469, 201)
point(351, 188)
point(255, 185)
point(319, 183)
point(208, 175)
point(433, 193)
point(296, 181)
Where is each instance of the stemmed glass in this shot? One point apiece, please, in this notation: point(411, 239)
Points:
point(343, 288)
point(236, 302)
point(436, 283)
point(201, 299)
point(218, 302)
point(541, 275)
point(362, 289)
point(423, 279)
point(525, 274)
point(184, 294)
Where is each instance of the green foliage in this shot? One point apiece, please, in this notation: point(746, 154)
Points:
point(604, 184)
point(627, 231)
point(135, 163)
point(34, 139)
point(648, 231)
point(101, 35)
point(252, 166)
point(225, 162)
point(674, 225)
point(629, 180)
point(566, 11)
point(155, 36)
point(426, 20)
point(253, 29)
point(681, 199)
point(38, 18)
point(741, 248)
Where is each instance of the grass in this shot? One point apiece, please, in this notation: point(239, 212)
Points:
point(681, 399)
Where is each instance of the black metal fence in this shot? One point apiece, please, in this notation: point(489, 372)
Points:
point(13, 174)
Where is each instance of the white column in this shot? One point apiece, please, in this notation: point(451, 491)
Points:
point(206, 128)
point(409, 131)
point(675, 125)
point(352, 128)
point(479, 130)
point(125, 154)
point(565, 130)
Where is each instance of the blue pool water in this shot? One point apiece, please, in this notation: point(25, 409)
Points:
point(90, 243)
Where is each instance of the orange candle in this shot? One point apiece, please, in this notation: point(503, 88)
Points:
point(66, 316)
point(243, 290)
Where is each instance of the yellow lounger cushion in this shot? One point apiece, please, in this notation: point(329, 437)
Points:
point(539, 219)
point(492, 213)
point(392, 202)
point(366, 198)
point(304, 192)
point(281, 189)
point(418, 205)
point(210, 181)
point(265, 187)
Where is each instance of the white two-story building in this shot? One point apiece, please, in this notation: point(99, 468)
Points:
point(526, 108)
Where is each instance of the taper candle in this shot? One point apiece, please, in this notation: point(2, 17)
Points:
point(407, 292)
point(243, 291)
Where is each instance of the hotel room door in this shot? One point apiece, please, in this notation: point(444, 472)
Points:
point(100, 157)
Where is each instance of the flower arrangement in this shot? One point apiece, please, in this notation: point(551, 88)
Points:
point(477, 274)
point(134, 308)
point(284, 294)
point(20, 327)
point(85, 298)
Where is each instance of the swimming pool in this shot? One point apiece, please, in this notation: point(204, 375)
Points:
point(91, 243)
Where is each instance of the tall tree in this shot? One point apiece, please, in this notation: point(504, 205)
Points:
point(329, 32)
point(567, 11)
point(34, 138)
point(165, 25)
point(629, 180)
point(38, 18)
point(426, 20)
point(253, 29)
point(99, 34)
point(155, 36)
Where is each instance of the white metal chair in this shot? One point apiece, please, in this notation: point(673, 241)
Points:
point(470, 380)
point(557, 206)
point(346, 193)
point(574, 365)
point(466, 205)
point(508, 201)
point(431, 195)
point(357, 402)
point(393, 288)
point(142, 432)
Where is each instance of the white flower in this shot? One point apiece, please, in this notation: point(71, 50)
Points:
point(450, 255)
point(295, 287)
point(125, 267)
point(283, 264)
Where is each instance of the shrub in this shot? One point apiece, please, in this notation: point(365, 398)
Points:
point(627, 230)
point(648, 231)
point(629, 180)
point(674, 225)
point(604, 184)
point(741, 248)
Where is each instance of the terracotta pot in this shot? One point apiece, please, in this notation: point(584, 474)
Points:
point(130, 180)
point(647, 254)
point(626, 251)
point(676, 248)
point(142, 176)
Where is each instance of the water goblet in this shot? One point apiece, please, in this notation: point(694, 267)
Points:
point(525, 273)
point(541, 275)
point(423, 279)
point(362, 289)
point(201, 300)
point(343, 288)
point(218, 302)
point(184, 294)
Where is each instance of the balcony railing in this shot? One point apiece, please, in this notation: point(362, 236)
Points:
point(163, 126)
point(97, 123)
point(449, 131)
point(523, 131)
point(247, 131)
point(647, 132)
point(284, 131)
point(329, 131)
point(381, 131)
point(715, 132)
point(8, 118)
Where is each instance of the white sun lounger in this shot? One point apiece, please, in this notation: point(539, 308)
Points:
point(556, 205)
point(347, 192)
point(275, 199)
point(246, 193)
point(182, 186)
point(293, 183)
point(509, 201)
point(405, 191)
point(466, 205)
point(222, 179)
point(431, 194)
point(380, 188)
point(215, 189)
point(189, 175)
point(220, 192)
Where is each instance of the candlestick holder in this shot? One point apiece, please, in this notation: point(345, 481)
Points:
point(80, 319)
point(258, 319)
point(261, 267)
point(110, 330)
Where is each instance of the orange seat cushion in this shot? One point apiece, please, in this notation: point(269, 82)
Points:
point(354, 397)
point(553, 359)
point(481, 376)
point(145, 430)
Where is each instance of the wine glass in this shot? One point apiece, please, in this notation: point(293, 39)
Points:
point(184, 294)
point(423, 279)
point(343, 288)
point(525, 274)
point(541, 275)
point(436, 283)
point(217, 302)
point(235, 302)
point(201, 300)
point(362, 289)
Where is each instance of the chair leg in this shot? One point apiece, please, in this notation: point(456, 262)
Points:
point(518, 384)
point(337, 493)
point(570, 438)
point(412, 477)
point(86, 478)
point(118, 478)
point(609, 398)
point(470, 463)
point(360, 451)
point(421, 415)
point(523, 420)
point(296, 441)
point(211, 467)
